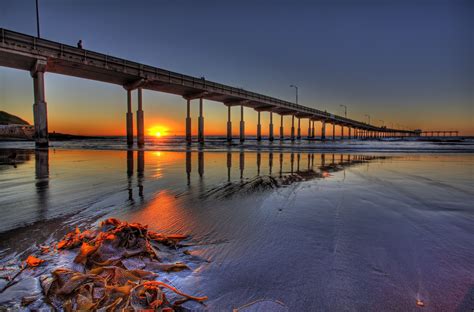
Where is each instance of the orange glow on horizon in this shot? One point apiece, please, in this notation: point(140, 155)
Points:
point(158, 131)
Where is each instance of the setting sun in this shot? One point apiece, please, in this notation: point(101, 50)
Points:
point(158, 131)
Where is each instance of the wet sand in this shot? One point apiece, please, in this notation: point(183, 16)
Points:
point(304, 231)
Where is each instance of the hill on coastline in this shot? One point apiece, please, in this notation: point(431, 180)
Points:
point(9, 119)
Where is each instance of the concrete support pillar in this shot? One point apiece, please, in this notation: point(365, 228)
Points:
point(292, 127)
point(270, 130)
point(342, 132)
point(40, 109)
point(298, 136)
point(259, 128)
point(188, 121)
point(350, 133)
point(129, 119)
point(323, 130)
point(313, 130)
point(282, 135)
point(309, 128)
point(334, 131)
point(140, 120)
point(242, 124)
point(200, 123)
point(229, 125)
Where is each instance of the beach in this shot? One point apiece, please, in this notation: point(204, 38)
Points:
point(270, 229)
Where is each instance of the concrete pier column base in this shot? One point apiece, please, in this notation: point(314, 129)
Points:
point(140, 128)
point(282, 135)
point(242, 131)
point(40, 109)
point(188, 130)
point(41, 124)
point(201, 129)
point(129, 128)
point(270, 132)
point(229, 131)
point(188, 122)
point(323, 131)
point(140, 121)
point(259, 132)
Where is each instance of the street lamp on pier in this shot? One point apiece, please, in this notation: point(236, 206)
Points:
point(368, 116)
point(296, 89)
point(345, 110)
point(37, 20)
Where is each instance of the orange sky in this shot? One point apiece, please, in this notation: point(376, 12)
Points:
point(83, 107)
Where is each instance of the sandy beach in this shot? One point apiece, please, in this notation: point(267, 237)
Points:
point(281, 231)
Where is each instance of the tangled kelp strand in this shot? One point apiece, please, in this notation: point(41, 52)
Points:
point(113, 267)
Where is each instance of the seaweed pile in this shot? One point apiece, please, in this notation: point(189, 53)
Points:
point(259, 184)
point(114, 268)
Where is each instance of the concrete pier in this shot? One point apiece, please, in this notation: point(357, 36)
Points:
point(334, 131)
point(270, 130)
point(292, 127)
point(229, 124)
point(40, 109)
point(259, 128)
point(242, 124)
point(282, 135)
point(298, 136)
point(25, 52)
point(342, 132)
point(188, 121)
point(200, 123)
point(140, 120)
point(349, 136)
point(323, 130)
point(313, 134)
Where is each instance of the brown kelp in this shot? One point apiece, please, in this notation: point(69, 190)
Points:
point(115, 267)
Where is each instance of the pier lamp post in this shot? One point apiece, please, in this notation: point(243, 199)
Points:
point(383, 122)
point(345, 110)
point(37, 20)
point(296, 89)
point(368, 116)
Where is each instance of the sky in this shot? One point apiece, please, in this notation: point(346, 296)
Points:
point(405, 63)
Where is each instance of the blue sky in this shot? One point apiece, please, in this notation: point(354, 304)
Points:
point(405, 62)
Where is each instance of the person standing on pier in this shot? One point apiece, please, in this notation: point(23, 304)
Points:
point(79, 44)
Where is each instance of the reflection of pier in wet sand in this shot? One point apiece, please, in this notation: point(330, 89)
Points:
point(307, 168)
point(140, 172)
point(238, 168)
